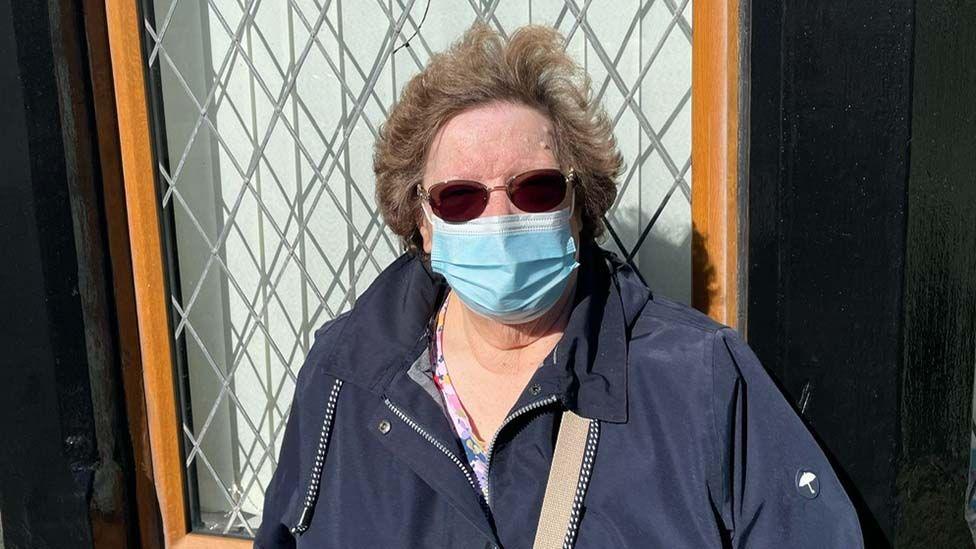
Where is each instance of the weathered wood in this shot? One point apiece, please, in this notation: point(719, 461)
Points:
point(124, 31)
point(117, 234)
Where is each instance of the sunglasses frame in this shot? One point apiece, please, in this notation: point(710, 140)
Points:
point(570, 178)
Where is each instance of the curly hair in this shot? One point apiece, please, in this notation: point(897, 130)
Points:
point(531, 68)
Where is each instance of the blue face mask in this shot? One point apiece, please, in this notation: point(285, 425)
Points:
point(509, 268)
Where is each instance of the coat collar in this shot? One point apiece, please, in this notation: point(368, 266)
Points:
point(389, 327)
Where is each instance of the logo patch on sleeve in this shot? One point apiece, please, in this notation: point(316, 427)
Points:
point(807, 483)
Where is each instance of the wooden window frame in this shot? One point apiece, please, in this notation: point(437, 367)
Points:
point(717, 285)
point(148, 273)
point(716, 282)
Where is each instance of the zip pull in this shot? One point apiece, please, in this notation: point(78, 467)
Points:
point(303, 521)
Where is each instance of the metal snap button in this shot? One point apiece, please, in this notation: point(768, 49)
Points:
point(535, 389)
point(384, 426)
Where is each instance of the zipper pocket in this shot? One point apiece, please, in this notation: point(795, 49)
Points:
point(312, 494)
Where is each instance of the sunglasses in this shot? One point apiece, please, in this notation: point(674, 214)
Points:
point(460, 200)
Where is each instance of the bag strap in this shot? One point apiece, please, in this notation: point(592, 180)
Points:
point(569, 476)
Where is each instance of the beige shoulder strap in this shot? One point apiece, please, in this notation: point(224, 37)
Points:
point(564, 479)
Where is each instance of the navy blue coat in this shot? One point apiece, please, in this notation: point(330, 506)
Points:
point(697, 447)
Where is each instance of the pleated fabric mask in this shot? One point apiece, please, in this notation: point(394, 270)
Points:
point(509, 268)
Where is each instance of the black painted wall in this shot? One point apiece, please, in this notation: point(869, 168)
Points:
point(862, 246)
point(65, 467)
point(46, 460)
point(940, 279)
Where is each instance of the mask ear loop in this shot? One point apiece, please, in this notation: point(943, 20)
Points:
point(424, 204)
point(428, 216)
point(572, 208)
point(571, 180)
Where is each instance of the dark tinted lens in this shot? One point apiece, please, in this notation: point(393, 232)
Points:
point(457, 201)
point(538, 191)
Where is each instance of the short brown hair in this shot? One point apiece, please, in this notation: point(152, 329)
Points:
point(531, 68)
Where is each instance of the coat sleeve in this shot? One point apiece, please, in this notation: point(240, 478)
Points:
point(772, 485)
point(280, 495)
point(281, 498)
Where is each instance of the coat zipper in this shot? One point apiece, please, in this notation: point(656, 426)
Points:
point(316, 476)
point(312, 494)
point(444, 449)
point(586, 468)
point(551, 399)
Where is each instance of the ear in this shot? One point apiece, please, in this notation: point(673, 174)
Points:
point(426, 232)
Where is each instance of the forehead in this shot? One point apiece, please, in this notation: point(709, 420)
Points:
point(491, 141)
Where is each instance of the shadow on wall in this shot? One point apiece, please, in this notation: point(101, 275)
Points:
point(664, 251)
point(704, 281)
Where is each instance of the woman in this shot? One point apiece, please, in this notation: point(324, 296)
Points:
point(429, 414)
